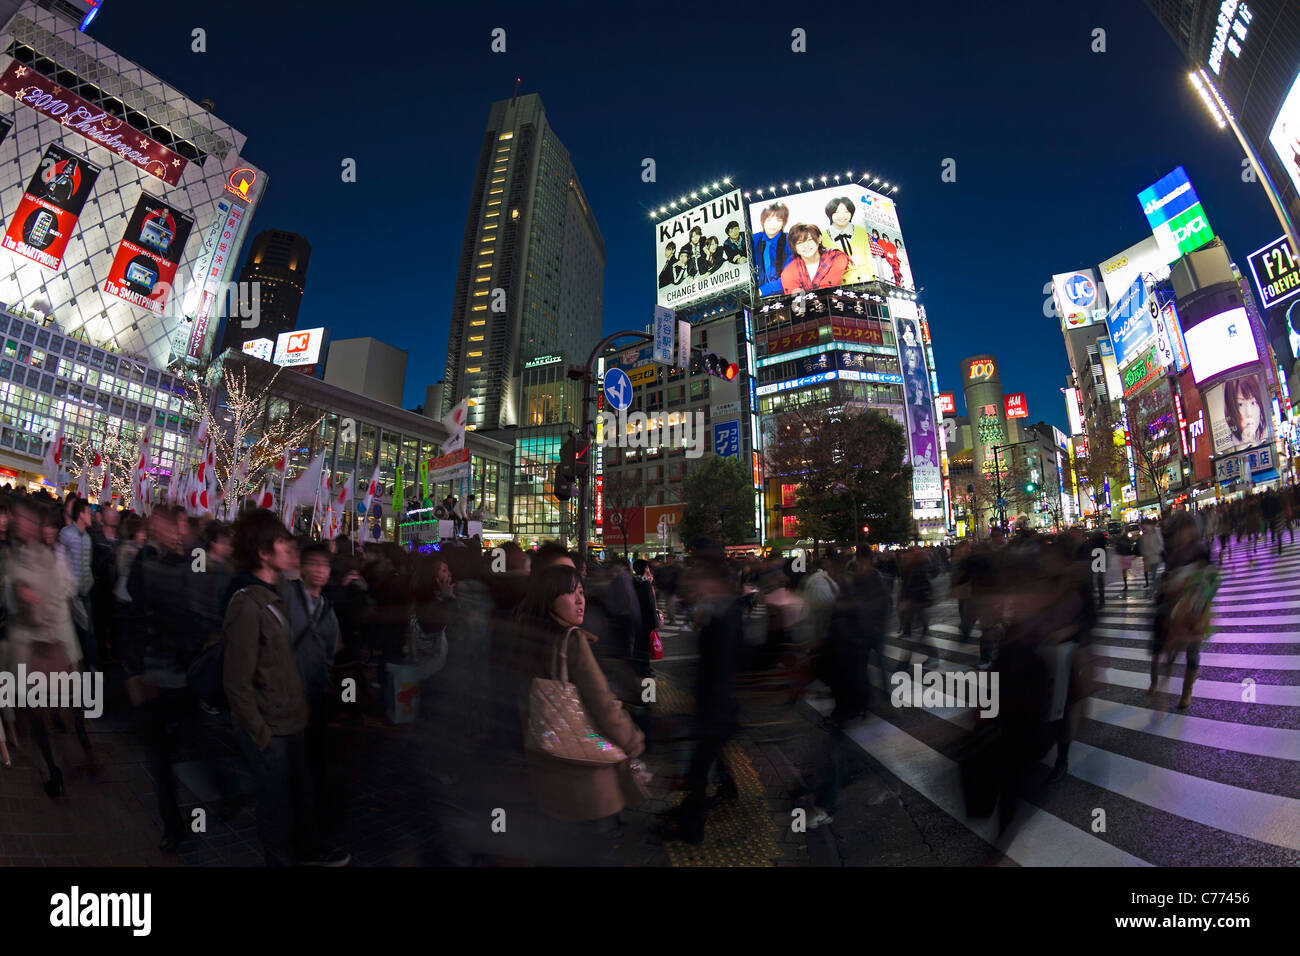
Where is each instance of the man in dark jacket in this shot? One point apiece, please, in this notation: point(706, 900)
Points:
point(314, 633)
point(264, 688)
point(167, 641)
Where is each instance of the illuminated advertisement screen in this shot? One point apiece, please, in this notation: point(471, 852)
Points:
point(1131, 328)
point(702, 252)
point(1016, 405)
point(299, 348)
point(146, 260)
point(263, 349)
point(1285, 134)
point(1142, 372)
point(1109, 367)
point(1174, 212)
point(1080, 298)
point(846, 361)
point(927, 477)
point(1072, 412)
point(1239, 415)
point(1276, 271)
point(1119, 271)
point(49, 209)
point(1220, 343)
point(826, 238)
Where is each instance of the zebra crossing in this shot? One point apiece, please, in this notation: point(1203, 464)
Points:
point(1217, 784)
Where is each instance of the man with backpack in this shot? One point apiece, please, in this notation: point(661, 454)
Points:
point(264, 688)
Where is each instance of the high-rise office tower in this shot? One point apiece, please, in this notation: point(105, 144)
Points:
point(277, 262)
point(532, 265)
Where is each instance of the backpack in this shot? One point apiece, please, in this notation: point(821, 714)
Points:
point(204, 675)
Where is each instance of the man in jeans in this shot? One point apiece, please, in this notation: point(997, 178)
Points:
point(265, 693)
point(74, 540)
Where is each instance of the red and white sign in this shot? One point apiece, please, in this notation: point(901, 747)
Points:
point(49, 209)
point(299, 348)
point(1016, 406)
point(449, 467)
point(947, 405)
point(49, 99)
point(220, 254)
point(600, 501)
point(145, 264)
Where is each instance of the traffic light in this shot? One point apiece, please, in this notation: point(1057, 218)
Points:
point(1030, 487)
point(566, 479)
point(866, 529)
point(575, 462)
point(717, 366)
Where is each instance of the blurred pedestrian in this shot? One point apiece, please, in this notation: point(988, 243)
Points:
point(582, 801)
point(264, 688)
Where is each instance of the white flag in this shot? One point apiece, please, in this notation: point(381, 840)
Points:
point(52, 464)
point(305, 488)
point(454, 422)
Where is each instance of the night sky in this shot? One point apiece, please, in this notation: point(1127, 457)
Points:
point(1052, 142)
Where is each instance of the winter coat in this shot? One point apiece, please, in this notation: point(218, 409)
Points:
point(49, 619)
point(260, 675)
point(567, 791)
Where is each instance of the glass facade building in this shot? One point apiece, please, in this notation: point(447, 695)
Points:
point(101, 399)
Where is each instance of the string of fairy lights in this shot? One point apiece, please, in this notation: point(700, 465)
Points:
point(708, 190)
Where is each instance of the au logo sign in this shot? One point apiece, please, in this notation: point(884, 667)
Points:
point(983, 368)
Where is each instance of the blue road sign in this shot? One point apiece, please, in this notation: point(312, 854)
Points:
point(618, 388)
point(726, 439)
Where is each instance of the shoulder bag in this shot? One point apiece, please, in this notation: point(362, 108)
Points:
point(558, 725)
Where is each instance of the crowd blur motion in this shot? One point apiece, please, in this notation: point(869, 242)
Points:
point(261, 655)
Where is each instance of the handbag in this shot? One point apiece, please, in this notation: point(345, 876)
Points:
point(656, 647)
point(558, 725)
point(426, 652)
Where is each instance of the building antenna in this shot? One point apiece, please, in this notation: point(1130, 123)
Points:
point(518, 80)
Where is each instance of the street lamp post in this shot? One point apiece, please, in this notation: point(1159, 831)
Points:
point(588, 399)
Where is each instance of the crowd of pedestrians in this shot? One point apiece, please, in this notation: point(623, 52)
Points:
point(244, 647)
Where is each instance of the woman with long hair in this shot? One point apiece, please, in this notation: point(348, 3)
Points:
point(1245, 411)
point(39, 590)
point(584, 800)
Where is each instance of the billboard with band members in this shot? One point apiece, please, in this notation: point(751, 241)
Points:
point(826, 238)
point(1239, 414)
point(51, 206)
point(146, 260)
point(702, 252)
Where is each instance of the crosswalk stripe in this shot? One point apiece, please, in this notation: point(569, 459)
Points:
point(1040, 839)
point(1262, 662)
point(1277, 742)
point(1282, 695)
point(1248, 813)
point(1251, 592)
point(1221, 637)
